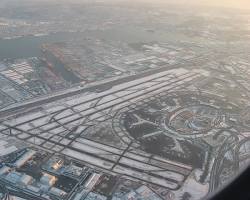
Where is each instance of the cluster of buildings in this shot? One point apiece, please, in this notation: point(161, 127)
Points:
point(142, 193)
point(90, 59)
point(50, 182)
point(19, 180)
point(23, 79)
point(84, 63)
point(86, 195)
point(18, 72)
point(155, 56)
point(58, 179)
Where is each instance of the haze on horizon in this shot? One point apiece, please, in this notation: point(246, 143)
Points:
point(241, 4)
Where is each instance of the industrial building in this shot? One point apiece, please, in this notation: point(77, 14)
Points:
point(92, 181)
point(24, 158)
point(48, 179)
point(18, 178)
point(57, 192)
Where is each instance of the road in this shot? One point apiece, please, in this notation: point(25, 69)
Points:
point(216, 169)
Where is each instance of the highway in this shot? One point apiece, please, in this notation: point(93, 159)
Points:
point(226, 146)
